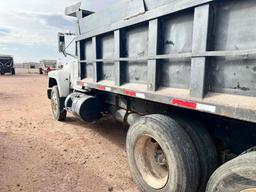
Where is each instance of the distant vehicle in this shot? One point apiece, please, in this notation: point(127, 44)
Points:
point(6, 64)
point(47, 65)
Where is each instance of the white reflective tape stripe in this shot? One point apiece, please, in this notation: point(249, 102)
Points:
point(203, 107)
point(108, 89)
point(140, 95)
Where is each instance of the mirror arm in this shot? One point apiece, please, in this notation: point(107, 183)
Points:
point(64, 53)
point(69, 54)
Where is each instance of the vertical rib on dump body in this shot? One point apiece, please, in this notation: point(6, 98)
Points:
point(196, 54)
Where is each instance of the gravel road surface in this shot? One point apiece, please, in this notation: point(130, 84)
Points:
point(38, 154)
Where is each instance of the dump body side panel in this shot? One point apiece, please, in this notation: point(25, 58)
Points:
point(199, 55)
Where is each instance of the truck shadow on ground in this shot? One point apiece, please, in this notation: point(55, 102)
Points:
point(107, 127)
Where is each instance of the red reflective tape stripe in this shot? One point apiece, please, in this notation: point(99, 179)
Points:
point(102, 88)
point(130, 93)
point(182, 103)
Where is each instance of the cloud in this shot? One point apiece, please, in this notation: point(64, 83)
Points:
point(28, 29)
point(57, 21)
point(30, 32)
point(48, 19)
point(4, 30)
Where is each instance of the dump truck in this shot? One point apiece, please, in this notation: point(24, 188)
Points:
point(6, 64)
point(181, 75)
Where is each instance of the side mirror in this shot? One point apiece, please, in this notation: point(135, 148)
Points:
point(61, 42)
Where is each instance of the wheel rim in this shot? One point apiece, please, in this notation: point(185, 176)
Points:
point(249, 190)
point(54, 103)
point(151, 162)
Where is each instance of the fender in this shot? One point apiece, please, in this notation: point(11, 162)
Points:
point(60, 78)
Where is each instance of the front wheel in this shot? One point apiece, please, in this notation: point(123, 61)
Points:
point(57, 104)
point(161, 156)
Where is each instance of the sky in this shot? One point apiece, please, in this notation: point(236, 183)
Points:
point(28, 28)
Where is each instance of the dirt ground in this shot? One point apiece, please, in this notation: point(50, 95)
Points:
point(38, 154)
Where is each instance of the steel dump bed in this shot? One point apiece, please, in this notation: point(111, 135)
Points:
point(195, 54)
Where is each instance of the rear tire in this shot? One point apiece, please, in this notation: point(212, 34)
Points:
point(205, 148)
point(237, 175)
point(57, 103)
point(161, 156)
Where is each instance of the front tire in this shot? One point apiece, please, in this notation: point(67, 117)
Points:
point(57, 104)
point(237, 175)
point(161, 156)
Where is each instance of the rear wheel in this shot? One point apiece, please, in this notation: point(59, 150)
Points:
point(205, 148)
point(57, 105)
point(161, 156)
point(237, 175)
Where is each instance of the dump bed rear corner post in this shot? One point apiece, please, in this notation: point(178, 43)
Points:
point(200, 39)
point(152, 51)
